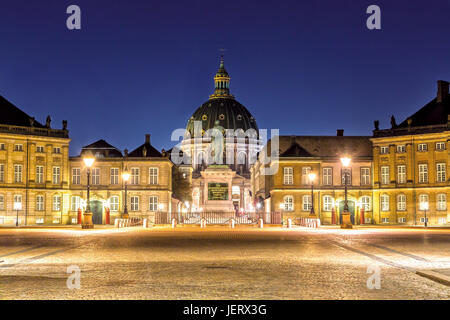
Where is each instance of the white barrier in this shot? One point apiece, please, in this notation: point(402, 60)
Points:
point(310, 222)
point(203, 223)
point(232, 223)
point(174, 223)
point(261, 223)
point(289, 223)
point(116, 223)
point(145, 223)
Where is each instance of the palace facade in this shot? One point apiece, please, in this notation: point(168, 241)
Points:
point(396, 176)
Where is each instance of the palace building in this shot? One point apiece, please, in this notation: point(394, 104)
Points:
point(396, 175)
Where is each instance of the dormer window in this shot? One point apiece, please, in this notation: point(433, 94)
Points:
point(222, 117)
point(204, 117)
point(239, 117)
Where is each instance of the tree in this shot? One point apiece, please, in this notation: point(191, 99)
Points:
point(181, 188)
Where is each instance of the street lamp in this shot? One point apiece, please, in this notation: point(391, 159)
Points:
point(17, 207)
point(312, 177)
point(87, 220)
point(424, 208)
point(346, 222)
point(125, 177)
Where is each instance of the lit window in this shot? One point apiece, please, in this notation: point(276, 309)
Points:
point(75, 204)
point(327, 176)
point(153, 175)
point(423, 202)
point(135, 175)
point(57, 150)
point(153, 203)
point(365, 176)
point(17, 173)
point(423, 173)
point(422, 147)
point(56, 175)
point(40, 203)
point(440, 146)
point(384, 175)
point(365, 203)
point(114, 175)
point(401, 202)
point(441, 202)
point(114, 203)
point(57, 203)
point(440, 172)
point(402, 220)
point(305, 172)
point(401, 174)
point(2, 172)
point(96, 176)
point(76, 176)
point(384, 150)
point(2, 202)
point(39, 174)
point(327, 203)
point(40, 149)
point(384, 220)
point(288, 175)
point(384, 199)
point(134, 203)
point(18, 147)
point(401, 148)
point(346, 174)
point(288, 203)
point(306, 202)
point(39, 220)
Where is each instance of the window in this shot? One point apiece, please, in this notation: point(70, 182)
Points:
point(2, 202)
point(422, 147)
point(423, 202)
point(76, 176)
point(288, 203)
point(423, 220)
point(384, 150)
point(346, 173)
point(384, 175)
point(401, 202)
point(75, 204)
point(57, 203)
point(306, 202)
point(423, 173)
point(288, 175)
point(18, 147)
point(384, 220)
point(2, 146)
point(135, 203)
point(365, 176)
point(440, 146)
point(40, 149)
point(401, 148)
point(2, 172)
point(384, 200)
point(402, 220)
point(96, 176)
point(134, 175)
point(441, 202)
point(365, 203)
point(440, 172)
point(442, 220)
point(57, 150)
point(114, 203)
point(18, 199)
point(401, 174)
point(114, 175)
point(39, 174)
point(56, 175)
point(17, 173)
point(153, 203)
point(153, 175)
point(305, 172)
point(39, 203)
point(327, 176)
point(327, 203)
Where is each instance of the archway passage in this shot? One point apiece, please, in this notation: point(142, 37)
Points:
point(351, 208)
point(97, 211)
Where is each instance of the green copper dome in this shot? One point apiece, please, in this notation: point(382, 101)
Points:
point(222, 110)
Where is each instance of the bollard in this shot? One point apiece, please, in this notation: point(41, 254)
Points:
point(289, 223)
point(174, 223)
point(232, 223)
point(261, 223)
point(116, 223)
point(144, 223)
point(203, 223)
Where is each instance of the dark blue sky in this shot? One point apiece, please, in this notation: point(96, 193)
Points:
point(136, 67)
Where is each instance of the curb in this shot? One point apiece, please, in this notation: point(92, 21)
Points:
point(435, 276)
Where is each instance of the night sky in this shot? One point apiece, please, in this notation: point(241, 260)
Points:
point(136, 67)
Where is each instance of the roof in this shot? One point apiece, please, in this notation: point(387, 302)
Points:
point(11, 115)
point(323, 146)
point(433, 113)
point(145, 150)
point(102, 149)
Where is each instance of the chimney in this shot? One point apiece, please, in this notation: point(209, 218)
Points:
point(147, 138)
point(340, 132)
point(443, 87)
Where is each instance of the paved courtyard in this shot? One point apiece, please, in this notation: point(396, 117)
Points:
point(223, 263)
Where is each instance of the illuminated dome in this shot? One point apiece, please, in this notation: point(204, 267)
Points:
point(222, 110)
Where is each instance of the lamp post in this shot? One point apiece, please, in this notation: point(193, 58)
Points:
point(346, 222)
point(312, 177)
point(125, 177)
point(87, 218)
point(424, 208)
